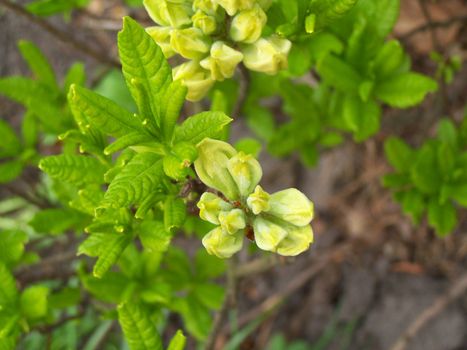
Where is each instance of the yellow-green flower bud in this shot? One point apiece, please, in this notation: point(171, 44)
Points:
point(247, 25)
point(258, 201)
point(233, 6)
point(211, 166)
point(161, 36)
point(220, 243)
point(210, 206)
point(292, 206)
point(267, 55)
point(232, 221)
point(197, 80)
point(246, 172)
point(297, 241)
point(207, 6)
point(191, 43)
point(268, 235)
point(222, 61)
point(205, 22)
point(173, 13)
point(265, 4)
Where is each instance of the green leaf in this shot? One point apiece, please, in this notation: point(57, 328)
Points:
point(143, 60)
point(413, 204)
point(328, 11)
point(57, 221)
point(109, 288)
point(196, 316)
point(50, 7)
point(339, 74)
point(64, 298)
point(210, 295)
point(249, 145)
point(174, 213)
point(138, 328)
point(139, 178)
point(208, 266)
point(103, 113)
point(424, 172)
point(172, 103)
point(177, 342)
point(12, 246)
point(38, 64)
point(442, 217)
point(113, 86)
point(399, 155)
point(447, 133)
point(130, 139)
point(404, 90)
point(362, 118)
point(29, 129)
point(10, 145)
point(33, 302)
point(10, 170)
point(74, 76)
point(154, 236)
point(76, 170)
point(200, 126)
point(38, 98)
point(390, 60)
point(8, 292)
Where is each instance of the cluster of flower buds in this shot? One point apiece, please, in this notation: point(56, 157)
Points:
point(214, 44)
point(278, 222)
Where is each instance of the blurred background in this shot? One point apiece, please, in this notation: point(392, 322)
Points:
point(370, 274)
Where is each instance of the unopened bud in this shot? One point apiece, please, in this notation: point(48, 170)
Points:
point(267, 55)
point(258, 201)
point(197, 80)
point(211, 166)
point(247, 25)
point(173, 13)
point(205, 22)
point(222, 61)
point(232, 221)
point(191, 43)
point(207, 6)
point(233, 6)
point(223, 245)
point(298, 240)
point(246, 172)
point(292, 206)
point(268, 234)
point(211, 206)
point(161, 36)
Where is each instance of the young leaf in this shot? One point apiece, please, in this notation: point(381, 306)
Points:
point(143, 60)
point(8, 292)
point(38, 64)
point(130, 139)
point(11, 246)
point(103, 113)
point(171, 105)
point(10, 145)
point(74, 76)
point(139, 178)
point(113, 247)
point(73, 169)
point(404, 90)
point(442, 217)
point(200, 126)
point(339, 74)
point(177, 342)
point(138, 328)
point(174, 213)
point(154, 236)
point(10, 170)
point(390, 59)
point(328, 11)
point(57, 220)
point(399, 155)
point(33, 302)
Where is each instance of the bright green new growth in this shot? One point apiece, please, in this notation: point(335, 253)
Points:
point(279, 222)
point(431, 178)
point(198, 31)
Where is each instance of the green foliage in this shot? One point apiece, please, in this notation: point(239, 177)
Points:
point(432, 178)
point(52, 7)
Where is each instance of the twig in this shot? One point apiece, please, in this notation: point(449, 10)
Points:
point(229, 301)
point(61, 35)
point(242, 91)
point(271, 303)
point(454, 292)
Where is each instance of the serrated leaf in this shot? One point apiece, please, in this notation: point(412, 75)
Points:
point(404, 90)
point(76, 170)
point(38, 64)
point(200, 126)
point(328, 11)
point(177, 342)
point(174, 213)
point(139, 330)
point(139, 178)
point(8, 292)
point(154, 236)
point(143, 60)
point(103, 113)
point(33, 302)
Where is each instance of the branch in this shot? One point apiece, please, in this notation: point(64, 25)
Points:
point(453, 293)
point(242, 91)
point(61, 35)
